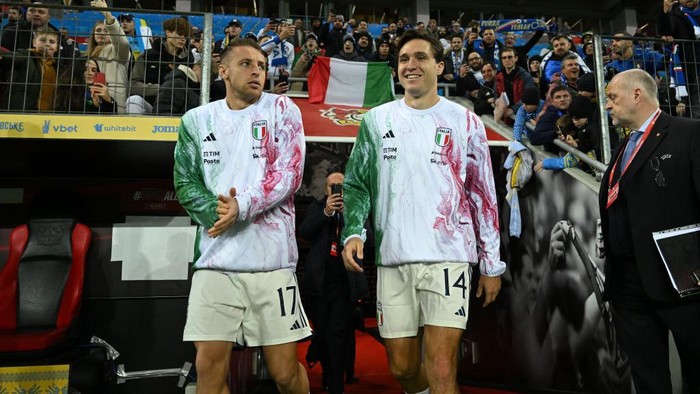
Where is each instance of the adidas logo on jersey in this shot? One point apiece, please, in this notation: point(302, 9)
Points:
point(210, 138)
point(460, 312)
point(389, 134)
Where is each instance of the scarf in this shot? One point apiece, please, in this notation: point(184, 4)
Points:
point(677, 80)
point(694, 13)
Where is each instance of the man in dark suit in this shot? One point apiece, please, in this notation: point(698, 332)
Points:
point(652, 184)
point(332, 291)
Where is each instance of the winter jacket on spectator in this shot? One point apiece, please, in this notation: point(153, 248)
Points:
point(151, 68)
point(481, 105)
point(21, 81)
point(178, 93)
point(520, 80)
point(113, 60)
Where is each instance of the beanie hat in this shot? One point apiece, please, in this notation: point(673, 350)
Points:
point(311, 36)
point(348, 37)
point(534, 58)
point(586, 83)
point(531, 96)
point(581, 107)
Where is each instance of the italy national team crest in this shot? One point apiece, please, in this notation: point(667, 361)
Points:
point(260, 130)
point(442, 136)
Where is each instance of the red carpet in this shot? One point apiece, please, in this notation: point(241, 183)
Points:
point(371, 368)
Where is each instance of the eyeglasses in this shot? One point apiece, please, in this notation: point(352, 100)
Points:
point(507, 57)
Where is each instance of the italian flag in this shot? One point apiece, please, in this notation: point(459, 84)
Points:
point(359, 84)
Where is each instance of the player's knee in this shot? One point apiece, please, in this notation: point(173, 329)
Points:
point(284, 375)
point(211, 365)
point(404, 370)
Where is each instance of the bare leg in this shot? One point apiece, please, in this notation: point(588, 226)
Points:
point(441, 344)
point(405, 362)
point(212, 363)
point(289, 375)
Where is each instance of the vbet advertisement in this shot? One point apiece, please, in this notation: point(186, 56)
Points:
point(89, 127)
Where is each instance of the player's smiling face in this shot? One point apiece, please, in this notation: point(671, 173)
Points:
point(418, 70)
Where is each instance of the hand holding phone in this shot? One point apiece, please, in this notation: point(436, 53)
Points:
point(283, 78)
point(337, 188)
point(99, 78)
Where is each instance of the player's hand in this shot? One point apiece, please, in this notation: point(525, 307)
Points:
point(227, 211)
point(354, 247)
point(489, 286)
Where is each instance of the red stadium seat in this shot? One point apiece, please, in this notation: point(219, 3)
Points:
point(41, 284)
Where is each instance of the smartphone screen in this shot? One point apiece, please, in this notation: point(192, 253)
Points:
point(283, 78)
point(99, 78)
point(337, 188)
point(289, 22)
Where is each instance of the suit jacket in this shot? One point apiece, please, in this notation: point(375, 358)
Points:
point(675, 144)
point(319, 229)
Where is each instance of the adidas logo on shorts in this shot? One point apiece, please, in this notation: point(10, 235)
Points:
point(460, 312)
point(295, 326)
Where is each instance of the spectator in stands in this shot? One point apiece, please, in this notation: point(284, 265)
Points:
point(316, 26)
point(29, 75)
point(299, 37)
point(551, 62)
point(332, 34)
point(349, 53)
point(444, 38)
point(545, 130)
point(527, 113)
point(14, 17)
point(20, 35)
point(432, 29)
point(488, 47)
point(420, 27)
point(578, 130)
point(470, 77)
point(139, 38)
point(486, 99)
point(363, 29)
point(179, 91)
point(586, 86)
point(456, 29)
point(533, 65)
point(154, 64)
point(109, 47)
point(310, 51)
point(233, 30)
point(523, 50)
point(680, 20)
point(511, 81)
point(270, 28)
point(569, 74)
point(280, 51)
point(454, 60)
point(364, 45)
point(630, 57)
point(586, 118)
point(384, 54)
point(77, 91)
point(588, 54)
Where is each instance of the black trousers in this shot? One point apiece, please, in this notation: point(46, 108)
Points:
point(334, 338)
point(642, 328)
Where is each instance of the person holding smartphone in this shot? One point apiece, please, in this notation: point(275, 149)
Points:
point(83, 89)
point(331, 290)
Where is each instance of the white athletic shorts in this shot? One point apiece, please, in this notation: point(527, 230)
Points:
point(412, 295)
point(248, 308)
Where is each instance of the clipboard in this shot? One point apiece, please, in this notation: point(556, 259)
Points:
point(680, 251)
